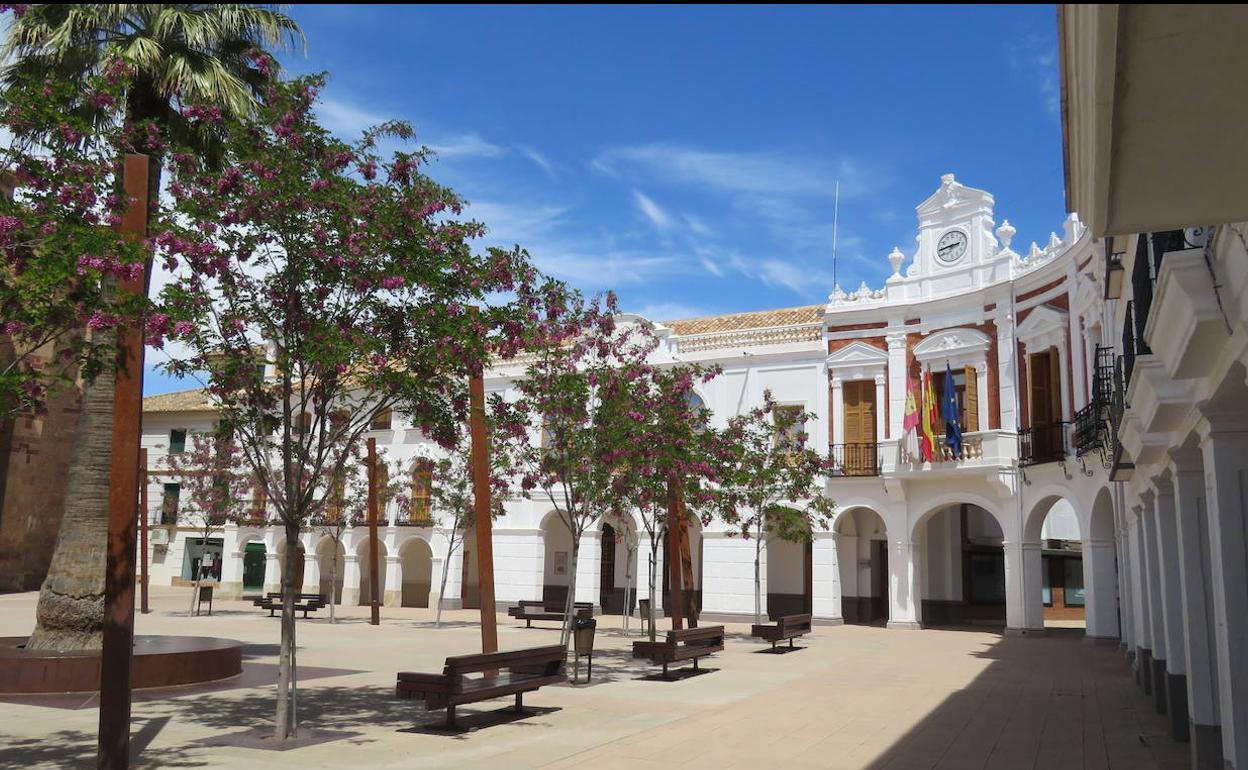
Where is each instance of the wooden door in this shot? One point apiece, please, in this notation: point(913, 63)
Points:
point(859, 417)
point(606, 594)
point(1046, 402)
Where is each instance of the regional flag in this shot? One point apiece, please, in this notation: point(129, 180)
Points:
point(927, 439)
point(911, 419)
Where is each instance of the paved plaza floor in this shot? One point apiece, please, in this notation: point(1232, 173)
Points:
point(852, 697)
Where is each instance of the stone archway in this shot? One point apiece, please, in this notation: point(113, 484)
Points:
point(862, 558)
point(280, 553)
point(617, 565)
point(962, 571)
point(416, 561)
point(1100, 569)
point(1053, 560)
point(556, 560)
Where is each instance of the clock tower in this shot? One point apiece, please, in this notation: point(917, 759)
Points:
point(955, 231)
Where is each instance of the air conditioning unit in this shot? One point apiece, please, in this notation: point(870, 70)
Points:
point(160, 537)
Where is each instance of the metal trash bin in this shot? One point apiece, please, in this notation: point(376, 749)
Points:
point(583, 628)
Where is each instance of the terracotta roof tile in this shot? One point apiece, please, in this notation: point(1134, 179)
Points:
point(762, 319)
point(195, 400)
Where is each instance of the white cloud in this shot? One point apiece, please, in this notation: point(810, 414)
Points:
point(697, 225)
point(799, 279)
point(711, 267)
point(469, 145)
point(653, 211)
point(346, 120)
point(541, 160)
point(670, 311)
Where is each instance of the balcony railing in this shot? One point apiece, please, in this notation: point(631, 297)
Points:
point(856, 459)
point(1129, 342)
point(408, 519)
point(1103, 376)
point(1042, 443)
point(1089, 429)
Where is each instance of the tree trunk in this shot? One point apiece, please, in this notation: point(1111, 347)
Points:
point(654, 584)
point(758, 584)
point(626, 611)
point(446, 568)
point(333, 584)
point(570, 605)
point(286, 724)
point(70, 614)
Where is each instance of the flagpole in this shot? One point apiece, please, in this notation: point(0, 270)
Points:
point(836, 209)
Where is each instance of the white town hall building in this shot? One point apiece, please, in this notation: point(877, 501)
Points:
point(1017, 529)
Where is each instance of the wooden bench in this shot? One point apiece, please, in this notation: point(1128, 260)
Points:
point(503, 673)
point(530, 610)
point(303, 602)
point(787, 627)
point(682, 644)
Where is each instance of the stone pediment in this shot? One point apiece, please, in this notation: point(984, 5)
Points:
point(858, 354)
point(1042, 328)
point(954, 197)
point(951, 344)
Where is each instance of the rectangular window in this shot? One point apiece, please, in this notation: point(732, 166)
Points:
point(169, 504)
point(422, 490)
point(177, 441)
point(789, 427)
point(1046, 591)
point(938, 388)
point(381, 420)
point(1074, 582)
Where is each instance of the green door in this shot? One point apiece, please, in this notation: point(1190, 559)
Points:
point(253, 567)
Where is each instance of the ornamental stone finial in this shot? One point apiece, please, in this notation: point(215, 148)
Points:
point(895, 258)
point(1006, 233)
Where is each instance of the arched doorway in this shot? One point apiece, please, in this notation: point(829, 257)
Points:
point(617, 566)
point(332, 571)
point(362, 555)
point(862, 557)
point(253, 555)
point(1056, 581)
point(416, 559)
point(963, 567)
point(557, 560)
point(789, 577)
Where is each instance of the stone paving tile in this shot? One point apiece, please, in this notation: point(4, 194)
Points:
point(855, 697)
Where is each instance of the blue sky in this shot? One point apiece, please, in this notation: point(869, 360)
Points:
point(686, 157)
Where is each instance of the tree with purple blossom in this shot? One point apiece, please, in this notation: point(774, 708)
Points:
point(346, 275)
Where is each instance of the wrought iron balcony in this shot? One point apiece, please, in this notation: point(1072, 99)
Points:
point(856, 459)
point(1042, 443)
point(1089, 429)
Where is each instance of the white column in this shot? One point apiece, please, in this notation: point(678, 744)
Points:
point(392, 582)
point(311, 572)
point(435, 582)
point(1226, 475)
point(838, 411)
point(1191, 521)
point(272, 572)
point(1100, 582)
point(879, 408)
point(351, 579)
point(1024, 610)
point(589, 568)
point(232, 567)
point(1063, 358)
point(1156, 619)
point(826, 581)
point(1142, 620)
point(896, 381)
point(1125, 587)
point(1171, 594)
point(905, 565)
point(1006, 351)
point(1076, 340)
point(819, 431)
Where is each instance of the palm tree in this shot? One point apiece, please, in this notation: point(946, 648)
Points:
point(198, 54)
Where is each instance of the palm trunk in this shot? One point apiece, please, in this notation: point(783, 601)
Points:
point(570, 605)
point(286, 722)
point(70, 613)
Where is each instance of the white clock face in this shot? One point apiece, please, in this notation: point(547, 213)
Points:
point(951, 246)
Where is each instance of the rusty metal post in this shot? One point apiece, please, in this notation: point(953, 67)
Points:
point(676, 597)
point(113, 747)
point(481, 510)
point(374, 599)
point(143, 524)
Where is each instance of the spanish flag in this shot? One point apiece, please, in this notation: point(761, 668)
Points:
point(911, 419)
point(927, 437)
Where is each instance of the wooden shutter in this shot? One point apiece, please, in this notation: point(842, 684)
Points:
point(971, 418)
point(1055, 385)
point(860, 412)
point(422, 489)
point(1041, 378)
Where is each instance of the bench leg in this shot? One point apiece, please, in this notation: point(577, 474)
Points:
point(695, 664)
point(528, 624)
point(519, 703)
point(665, 671)
point(790, 642)
point(450, 717)
point(773, 645)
